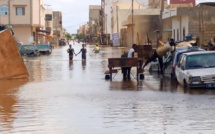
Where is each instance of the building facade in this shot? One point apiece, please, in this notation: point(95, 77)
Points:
point(197, 21)
point(25, 16)
point(95, 24)
point(145, 23)
point(57, 26)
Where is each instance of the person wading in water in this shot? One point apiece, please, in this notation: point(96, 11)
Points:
point(71, 52)
point(83, 51)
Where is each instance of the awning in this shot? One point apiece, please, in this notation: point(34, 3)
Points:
point(47, 36)
point(44, 31)
point(167, 30)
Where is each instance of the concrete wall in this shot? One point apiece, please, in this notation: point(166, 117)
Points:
point(123, 35)
point(36, 14)
point(20, 20)
point(24, 31)
point(196, 21)
point(167, 27)
point(208, 23)
point(143, 24)
point(94, 19)
point(201, 22)
point(120, 12)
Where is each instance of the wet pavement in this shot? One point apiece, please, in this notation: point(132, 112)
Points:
point(63, 97)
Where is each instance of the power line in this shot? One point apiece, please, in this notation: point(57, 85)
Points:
point(75, 25)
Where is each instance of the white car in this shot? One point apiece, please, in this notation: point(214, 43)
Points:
point(196, 69)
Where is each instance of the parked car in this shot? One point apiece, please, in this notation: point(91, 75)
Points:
point(28, 50)
point(62, 42)
point(3, 27)
point(196, 69)
point(170, 67)
point(44, 48)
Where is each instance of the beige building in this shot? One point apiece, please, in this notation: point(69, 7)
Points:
point(94, 23)
point(145, 23)
point(196, 21)
point(57, 26)
point(26, 17)
point(84, 29)
point(120, 12)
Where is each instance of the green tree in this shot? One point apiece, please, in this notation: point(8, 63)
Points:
point(68, 36)
point(80, 36)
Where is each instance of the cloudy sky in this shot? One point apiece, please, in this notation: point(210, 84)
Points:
point(75, 12)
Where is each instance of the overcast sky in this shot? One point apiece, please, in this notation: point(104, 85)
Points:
point(75, 12)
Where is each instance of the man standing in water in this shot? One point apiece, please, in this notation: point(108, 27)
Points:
point(127, 70)
point(83, 51)
point(71, 52)
point(160, 52)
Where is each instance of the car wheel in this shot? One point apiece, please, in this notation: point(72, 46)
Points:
point(185, 84)
point(172, 76)
point(107, 77)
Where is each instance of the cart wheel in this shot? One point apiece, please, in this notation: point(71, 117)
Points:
point(141, 76)
point(107, 77)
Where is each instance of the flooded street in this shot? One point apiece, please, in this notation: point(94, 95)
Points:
point(74, 98)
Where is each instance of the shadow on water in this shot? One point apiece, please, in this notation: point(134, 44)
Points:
point(124, 85)
point(8, 99)
point(199, 91)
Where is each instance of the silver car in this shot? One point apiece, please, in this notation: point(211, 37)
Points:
point(170, 67)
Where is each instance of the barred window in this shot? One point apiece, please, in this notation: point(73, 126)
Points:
point(4, 10)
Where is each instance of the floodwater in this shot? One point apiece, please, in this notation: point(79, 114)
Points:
point(74, 98)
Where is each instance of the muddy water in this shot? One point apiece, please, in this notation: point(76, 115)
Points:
point(63, 97)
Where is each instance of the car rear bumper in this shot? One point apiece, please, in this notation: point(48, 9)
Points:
point(206, 85)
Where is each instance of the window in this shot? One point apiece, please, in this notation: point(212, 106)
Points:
point(48, 17)
point(183, 62)
point(20, 11)
point(180, 63)
point(4, 10)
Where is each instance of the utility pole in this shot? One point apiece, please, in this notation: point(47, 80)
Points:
point(117, 18)
point(106, 31)
point(201, 25)
point(132, 11)
point(102, 19)
point(161, 20)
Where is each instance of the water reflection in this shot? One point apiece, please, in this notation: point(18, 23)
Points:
point(168, 84)
point(8, 100)
point(159, 106)
point(171, 85)
point(83, 64)
point(71, 65)
point(128, 85)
